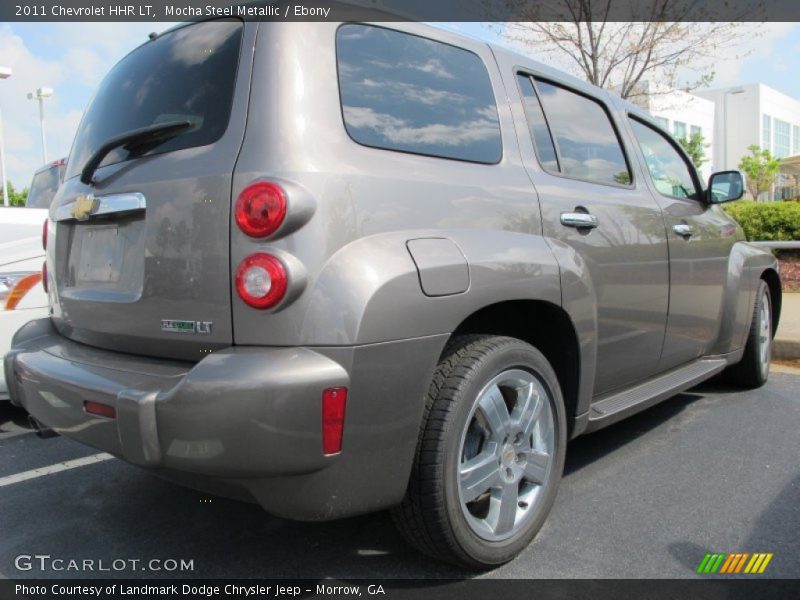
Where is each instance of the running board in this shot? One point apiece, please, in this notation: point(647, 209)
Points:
point(615, 407)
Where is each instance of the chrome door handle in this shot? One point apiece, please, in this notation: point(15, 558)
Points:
point(579, 220)
point(683, 229)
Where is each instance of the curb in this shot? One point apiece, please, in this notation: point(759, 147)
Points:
point(785, 349)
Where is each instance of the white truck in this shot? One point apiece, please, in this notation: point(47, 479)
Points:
point(22, 296)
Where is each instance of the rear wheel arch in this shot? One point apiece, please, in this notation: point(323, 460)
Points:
point(545, 326)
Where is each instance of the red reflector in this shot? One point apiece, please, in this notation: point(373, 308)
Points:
point(44, 235)
point(101, 410)
point(44, 276)
point(260, 209)
point(333, 404)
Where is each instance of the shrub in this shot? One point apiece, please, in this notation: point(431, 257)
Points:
point(767, 221)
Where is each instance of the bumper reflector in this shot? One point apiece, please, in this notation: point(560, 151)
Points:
point(333, 405)
point(101, 410)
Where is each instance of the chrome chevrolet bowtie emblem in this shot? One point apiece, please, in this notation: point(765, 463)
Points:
point(83, 207)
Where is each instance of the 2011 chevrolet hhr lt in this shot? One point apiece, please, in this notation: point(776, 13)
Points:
point(338, 268)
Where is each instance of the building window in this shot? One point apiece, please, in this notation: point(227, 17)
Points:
point(679, 129)
point(662, 121)
point(781, 141)
point(695, 130)
point(795, 139)
point(766, 132)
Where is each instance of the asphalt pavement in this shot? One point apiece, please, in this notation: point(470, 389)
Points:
point(710, 470)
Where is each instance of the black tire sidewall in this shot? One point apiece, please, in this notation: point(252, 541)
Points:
point(762, 296)
point(519, 355)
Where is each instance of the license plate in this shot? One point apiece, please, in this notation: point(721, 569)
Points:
point(101, 254)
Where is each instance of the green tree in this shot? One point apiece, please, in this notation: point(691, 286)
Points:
point(695, 147)
point(761, 170)
point(16, 198)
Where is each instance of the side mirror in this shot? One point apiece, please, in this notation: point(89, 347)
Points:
point(725, 186)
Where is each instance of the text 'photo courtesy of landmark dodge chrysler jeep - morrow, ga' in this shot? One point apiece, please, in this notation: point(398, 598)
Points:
point(336, 268)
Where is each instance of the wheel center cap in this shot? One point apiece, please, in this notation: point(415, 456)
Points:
point(508, 456)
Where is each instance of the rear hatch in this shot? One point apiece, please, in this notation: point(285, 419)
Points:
point(138, 258)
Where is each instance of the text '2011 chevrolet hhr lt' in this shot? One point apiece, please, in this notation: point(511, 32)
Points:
point(335, 268)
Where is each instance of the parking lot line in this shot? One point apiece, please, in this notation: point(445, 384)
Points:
point(49, 470)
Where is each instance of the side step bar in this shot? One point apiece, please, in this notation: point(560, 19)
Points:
point(615, 407)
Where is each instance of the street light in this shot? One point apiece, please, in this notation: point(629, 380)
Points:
point(5, 73)
point(40, 95)
point(727, 93)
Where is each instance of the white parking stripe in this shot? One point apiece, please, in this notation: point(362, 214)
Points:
point(49, 470)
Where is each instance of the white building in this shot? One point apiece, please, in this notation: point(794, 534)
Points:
point(755, 114)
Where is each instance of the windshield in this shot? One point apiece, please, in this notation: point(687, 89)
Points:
point(187, 74)
point(44, 186)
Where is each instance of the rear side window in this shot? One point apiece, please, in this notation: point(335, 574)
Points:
point(187, 74)
point(540, 132)
point(586, 142)
point(43, 187)
point(410, 94)
point(668, 169)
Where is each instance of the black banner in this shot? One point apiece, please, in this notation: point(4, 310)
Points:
point(402, 10)
point(580, 589)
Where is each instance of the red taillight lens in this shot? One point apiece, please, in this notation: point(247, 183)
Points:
point(44, 276)
point(261, 280)
point(333, 405)
point(260, 209)
point(44, 235)
point(101, 410)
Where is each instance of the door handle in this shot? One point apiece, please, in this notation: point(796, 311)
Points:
point(579, 220)
point(683, 229)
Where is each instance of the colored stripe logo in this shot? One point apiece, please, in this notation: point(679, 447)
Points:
point(734, 563)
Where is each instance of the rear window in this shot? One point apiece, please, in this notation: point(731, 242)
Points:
point(43, 187)
point(407, 93)
point(185, 74)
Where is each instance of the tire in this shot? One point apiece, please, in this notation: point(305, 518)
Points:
point(484, 480)
point(753, 370)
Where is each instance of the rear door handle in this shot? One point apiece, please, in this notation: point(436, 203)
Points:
point(579, 220)
point(683, 229)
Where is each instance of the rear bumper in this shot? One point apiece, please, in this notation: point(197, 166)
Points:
point(243, 417)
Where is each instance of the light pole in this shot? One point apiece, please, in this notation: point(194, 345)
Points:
point(727, 93)
point(5, 73)
point(40, 94)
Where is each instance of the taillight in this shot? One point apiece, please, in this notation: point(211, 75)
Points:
point(44, 276)
point(44, 235)
point(261, 280)
point(333, 405)
point(260, 209)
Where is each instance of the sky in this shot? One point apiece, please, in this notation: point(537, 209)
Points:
point(72, 58)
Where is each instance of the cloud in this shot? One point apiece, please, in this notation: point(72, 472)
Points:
point(72, 58)
point(400, 132)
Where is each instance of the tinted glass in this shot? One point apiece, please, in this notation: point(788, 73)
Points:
point(403, 92)
point(668, 169)
point(538, 125)
point(186, 74)
point(587, 144)
point(43, 187)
